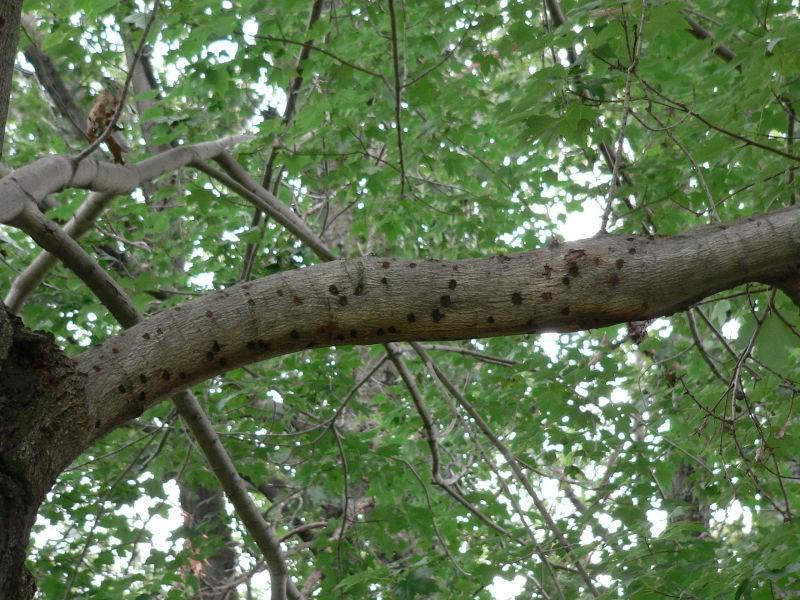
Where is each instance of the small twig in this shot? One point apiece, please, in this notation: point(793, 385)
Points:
point(718, 334)
point(328, 53)
point(431, 437)
point(441, 61)
point(302, 529)
point(701, 348)
point(676, 104)
point(346, 497)
point(121, 100)
point(506, 362)
point(101, 509)
point(513, 464)
point(626, 109)
point(269, 180)
point(712, 207)
point(397, 96)
point(438, 533)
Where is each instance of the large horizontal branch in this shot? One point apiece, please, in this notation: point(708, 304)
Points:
point(568, 287)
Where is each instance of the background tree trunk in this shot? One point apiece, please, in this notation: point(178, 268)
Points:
point(10, 14)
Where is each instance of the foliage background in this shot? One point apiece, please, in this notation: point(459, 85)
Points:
point(667, 479)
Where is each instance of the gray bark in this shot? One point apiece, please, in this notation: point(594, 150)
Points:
point(576, 286)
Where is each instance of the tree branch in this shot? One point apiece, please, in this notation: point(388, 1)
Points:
point(48, 76)
point(52, 174)
point(269, 179)
point(54, 239)
point(585, 284)
point(398, 89)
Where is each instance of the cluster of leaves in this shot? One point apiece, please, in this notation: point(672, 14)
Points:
point(666, 479)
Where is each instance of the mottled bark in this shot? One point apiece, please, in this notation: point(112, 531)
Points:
point(581, 285)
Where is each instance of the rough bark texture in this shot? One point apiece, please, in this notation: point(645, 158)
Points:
point(581, 285)
point(10, 14)
point(45, 423)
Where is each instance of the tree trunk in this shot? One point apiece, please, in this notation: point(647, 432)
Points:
point(45, 424)
point(10, 14)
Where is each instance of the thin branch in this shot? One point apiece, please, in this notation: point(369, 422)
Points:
point(431, 437)
point(398, 88)
point(712, 207)
point(51, 80)
point(676, 104)
point(513, 465)
point(447, 56)
point(100, 503)
point(121, 99)
point(268, 179)
point(112, 181)
point(790, 131)
point(238, 180)
point(701, 33)
point(328, 53)
point(506, 362)
point(422, 484)
point(51, 237)
point(225, 471)
point(701, 348)
point(626, 109)
point(721, 338)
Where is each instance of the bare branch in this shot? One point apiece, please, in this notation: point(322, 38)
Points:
point(240, 182)
point(269, 179)
point(626, 111)
point(512, 463)
point(39, 179)
point(51, 80)
point(431, 437)
point(701, 348)
point(328, 53)
point(701, 33)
